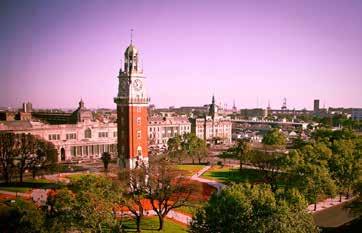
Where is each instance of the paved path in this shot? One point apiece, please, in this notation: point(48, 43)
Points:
point(327, 203)
point(177, 216)
point(212, 183)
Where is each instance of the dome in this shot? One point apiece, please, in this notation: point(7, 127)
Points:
point(131, 50)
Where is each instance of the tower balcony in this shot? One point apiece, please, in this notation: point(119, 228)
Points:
point(127, 100)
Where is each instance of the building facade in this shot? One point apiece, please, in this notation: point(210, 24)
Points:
point(160, 129)
point(132, 112)
point(84, 140)
point(212, 128)
point(356, 114)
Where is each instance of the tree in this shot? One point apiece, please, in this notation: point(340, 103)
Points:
point(89, 205)
point(242, 208)
point(24, 151)
point(46, 156)
point(274, 137)
point(201, 150)
point(356, 205)
point(21, 216)
point(345, 164)
point(7, 144)
point(314, 180)
point(134, 192)
point(188, 144)
point(240, 151)
point(166, 188)
point(175, 149)
point(272, 164)
point(106, 158)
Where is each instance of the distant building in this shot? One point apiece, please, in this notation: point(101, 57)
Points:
point(27, 107)
point(212, 128)
point(356, 114)
point(316, 106)
point(160, 129)
point(82, 140)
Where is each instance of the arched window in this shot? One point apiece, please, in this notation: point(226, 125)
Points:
point(88, 133)
point(139, 151)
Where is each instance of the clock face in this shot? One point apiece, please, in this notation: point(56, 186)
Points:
point(137, 84)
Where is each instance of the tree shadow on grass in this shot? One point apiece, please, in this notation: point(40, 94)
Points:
point(235, 176)
point(32, 185)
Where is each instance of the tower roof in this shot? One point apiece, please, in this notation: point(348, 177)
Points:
point(131, 50)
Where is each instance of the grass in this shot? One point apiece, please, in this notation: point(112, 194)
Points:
point(333, 217)
point(227, 175)
point(190, 169)
point(15, 189)
point(27, 185)
point(150, 225)
point(192, 208)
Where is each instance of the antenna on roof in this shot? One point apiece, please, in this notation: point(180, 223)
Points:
point(131, 36)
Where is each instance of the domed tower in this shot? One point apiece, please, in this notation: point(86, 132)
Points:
point(132, 112)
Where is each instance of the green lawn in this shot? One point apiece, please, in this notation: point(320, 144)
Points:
point(192, 208)
point(15, 189)
point(27, 185)
point(227, 175)
point(150, 225)
point(190, 169)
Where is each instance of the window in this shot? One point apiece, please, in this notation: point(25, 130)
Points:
point(79, 150)
point(115, 134)
point(53, 137)
point(103, 134)
point(85, 150)
point(138, 109)
point(71, 136)
point(122, 121)
point(88, 133)
point(73, 151)
point(139, 151)
point(139, 134)
point(138, 120)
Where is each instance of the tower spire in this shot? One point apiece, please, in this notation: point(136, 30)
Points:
point(131, 36)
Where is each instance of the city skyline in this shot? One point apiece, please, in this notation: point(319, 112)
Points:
point(54, 53)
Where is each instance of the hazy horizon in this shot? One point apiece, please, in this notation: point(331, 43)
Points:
point(55, 53)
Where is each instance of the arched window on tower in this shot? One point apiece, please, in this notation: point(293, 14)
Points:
point(88, 133)
point(139, 151)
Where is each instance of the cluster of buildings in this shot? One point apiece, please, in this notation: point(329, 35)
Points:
point(136, 128)
point(127, 134)
point(80, 136)
point(77, 136)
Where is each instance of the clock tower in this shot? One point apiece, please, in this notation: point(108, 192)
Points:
point(132, 112)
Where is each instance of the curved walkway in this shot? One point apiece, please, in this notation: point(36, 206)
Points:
point(212, 183)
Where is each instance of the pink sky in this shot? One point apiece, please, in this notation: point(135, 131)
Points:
point(54, 53)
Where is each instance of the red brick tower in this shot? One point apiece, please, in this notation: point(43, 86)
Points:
point(132, 112)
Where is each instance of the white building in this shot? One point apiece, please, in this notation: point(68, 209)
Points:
point(357, 114)
point(86, 139)
point(160, 129)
